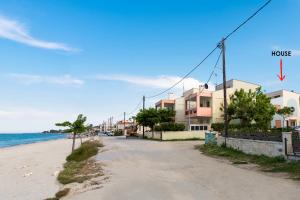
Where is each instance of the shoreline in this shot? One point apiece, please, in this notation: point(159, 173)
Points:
point(25, 144)
point(29, 171)
point(32, 142)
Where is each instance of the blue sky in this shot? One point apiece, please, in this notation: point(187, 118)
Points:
point(60, 58)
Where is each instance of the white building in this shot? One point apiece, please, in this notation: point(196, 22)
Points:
point(286, 98)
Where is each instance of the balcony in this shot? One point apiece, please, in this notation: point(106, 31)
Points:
point(199, 112)
point(198, 105)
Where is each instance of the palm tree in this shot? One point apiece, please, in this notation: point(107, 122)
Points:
point(75, 127)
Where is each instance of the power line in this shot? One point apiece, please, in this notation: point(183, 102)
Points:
point(225, 38)
point(248, 19)
point(129, 113)
point(213, 71)
point(184, 77)
point(137, 107)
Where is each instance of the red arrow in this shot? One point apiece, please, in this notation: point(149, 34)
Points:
point(281, 78)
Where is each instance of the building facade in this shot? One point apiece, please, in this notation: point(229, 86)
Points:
point(218, 96)
point(197, 108)
point(284, 98)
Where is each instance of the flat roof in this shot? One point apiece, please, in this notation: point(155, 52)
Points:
point(281, 91)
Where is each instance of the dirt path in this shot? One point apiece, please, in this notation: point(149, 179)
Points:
point(141, 169)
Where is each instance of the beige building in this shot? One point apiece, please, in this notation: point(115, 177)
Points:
point(218, 96)
point(284, 98)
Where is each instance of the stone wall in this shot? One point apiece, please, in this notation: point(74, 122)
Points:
point(256, 147)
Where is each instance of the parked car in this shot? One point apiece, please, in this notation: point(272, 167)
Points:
point(297, 129)
point(108, 133)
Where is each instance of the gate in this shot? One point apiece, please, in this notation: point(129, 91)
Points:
point(296, 143)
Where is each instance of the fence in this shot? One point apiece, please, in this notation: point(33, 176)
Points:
point(263, 136)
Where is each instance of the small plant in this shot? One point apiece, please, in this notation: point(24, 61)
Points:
point(85, 151)
point(60, 194)
point(78, 167)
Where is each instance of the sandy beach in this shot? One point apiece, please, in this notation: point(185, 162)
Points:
point(29, 171)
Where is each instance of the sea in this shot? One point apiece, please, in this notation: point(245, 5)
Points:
point(13, 139)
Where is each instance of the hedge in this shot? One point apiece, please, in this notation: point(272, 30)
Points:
point(170, 126)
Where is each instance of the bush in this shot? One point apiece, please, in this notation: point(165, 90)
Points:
point(62, 193)
point(118, 133)
point(217, 127)
point(252, 128)
point(169, 126)
point(85, 151)
point(78, 165)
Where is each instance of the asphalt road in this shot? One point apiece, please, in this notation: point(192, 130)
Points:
point(150, 170)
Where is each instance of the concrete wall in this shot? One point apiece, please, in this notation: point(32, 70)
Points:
point(179, 108)
point(182, 135)
point(176, 135)
point(256, 147)
point(154, 135)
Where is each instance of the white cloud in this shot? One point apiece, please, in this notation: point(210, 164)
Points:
point(155, 82)
point(28, 119)
point(28, 79)
point(14, 30)
point(295, 52)
point(24, 119)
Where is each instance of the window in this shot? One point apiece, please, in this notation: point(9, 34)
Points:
point(205, 128)
point(192, 128)
point(205, 102)
point(208, 104)
point(277, 96)
point(197, 128)
point(201, 128)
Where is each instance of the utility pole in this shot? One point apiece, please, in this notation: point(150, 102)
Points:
point(143, 110)
point(189, 112)
point(112, 122)
point(222, 46)
point(124, 123)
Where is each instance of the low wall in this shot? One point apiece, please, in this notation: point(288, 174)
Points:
point(154, 135)
point(175, 135)
point(182, 135)
point(256, 147)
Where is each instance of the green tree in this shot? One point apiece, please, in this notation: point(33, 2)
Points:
point(285, 112)
point(76, 127)
point(241, 106)
point(148, 117)
point(166, 115)
point(264, 110)
point(249, 107)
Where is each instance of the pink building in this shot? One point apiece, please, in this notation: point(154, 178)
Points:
point(165, 103)
point(198, 108)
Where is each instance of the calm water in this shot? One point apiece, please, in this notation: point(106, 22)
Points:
point(7, 140)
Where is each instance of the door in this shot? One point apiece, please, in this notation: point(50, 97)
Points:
point(278, 123)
